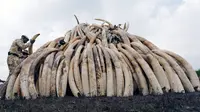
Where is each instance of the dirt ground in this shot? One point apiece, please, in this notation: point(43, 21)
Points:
point(189, 102)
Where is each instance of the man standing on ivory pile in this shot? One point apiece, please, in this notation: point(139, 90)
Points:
point(15, 54)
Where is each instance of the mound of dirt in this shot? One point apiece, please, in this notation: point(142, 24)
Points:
point(168, 102)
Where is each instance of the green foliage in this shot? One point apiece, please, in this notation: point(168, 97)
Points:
point(198, 72)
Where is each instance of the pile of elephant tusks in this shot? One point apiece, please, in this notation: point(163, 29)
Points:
point(101, 60)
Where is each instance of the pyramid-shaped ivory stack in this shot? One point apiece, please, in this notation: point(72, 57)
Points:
point(101, 60)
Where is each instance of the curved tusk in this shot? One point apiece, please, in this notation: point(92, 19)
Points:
point(76, 19)
point(105, 21)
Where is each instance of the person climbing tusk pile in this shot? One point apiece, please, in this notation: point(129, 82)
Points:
point(101, 60)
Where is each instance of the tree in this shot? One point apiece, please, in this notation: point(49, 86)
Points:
point(198, 72)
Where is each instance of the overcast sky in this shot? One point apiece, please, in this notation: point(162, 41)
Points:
point(170, 24)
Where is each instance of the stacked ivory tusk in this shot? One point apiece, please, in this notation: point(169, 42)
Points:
point(101, 60)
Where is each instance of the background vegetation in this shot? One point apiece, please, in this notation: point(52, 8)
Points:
point(198, 72)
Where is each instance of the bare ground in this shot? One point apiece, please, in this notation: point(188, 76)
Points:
point(189, 102)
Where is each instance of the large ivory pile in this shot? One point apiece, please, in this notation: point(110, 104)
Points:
point(101, 60)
